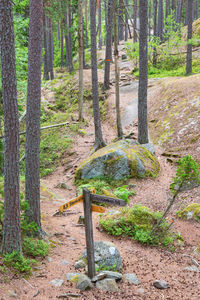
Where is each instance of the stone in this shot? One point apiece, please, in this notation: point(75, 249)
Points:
point(119, 160)
point(63, 185)
point(83, 282)
point(80, 264)
point(111, 274)
point(69, 276)
point(49, 259)
point(192, 269)
point(57, 282)
point(12, 294)
point(98, 277)
point(107, 284)
point(65, 262)
point(161, 284)
point(192, 211)
point(124, 56)
point(131, 278)
point(105, 255)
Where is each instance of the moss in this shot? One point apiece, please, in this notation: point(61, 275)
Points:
point(192, 211)
point(74, 279)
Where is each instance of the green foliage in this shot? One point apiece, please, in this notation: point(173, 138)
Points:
point(187, 174)
point(123, 193)
point(35, 247)
point(192, 211)
point(137, 222)
point(107, 188)
point(105, 267)
point(16, 261)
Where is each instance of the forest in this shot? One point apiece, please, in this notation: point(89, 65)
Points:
point(99, 139)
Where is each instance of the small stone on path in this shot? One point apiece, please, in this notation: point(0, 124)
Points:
point(12, 293)
point(132, 278)
point(111, 274)
point(65, 262)
point(56, 282)
point(107, 284)
point(70, 275)
point(84, 282)
point(161, 284)
point(192, 269)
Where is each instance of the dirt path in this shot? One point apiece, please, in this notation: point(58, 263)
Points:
point(148, 263)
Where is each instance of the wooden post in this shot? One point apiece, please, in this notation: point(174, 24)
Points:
point(89, 233)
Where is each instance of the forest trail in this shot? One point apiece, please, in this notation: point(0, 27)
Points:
point(68, 237)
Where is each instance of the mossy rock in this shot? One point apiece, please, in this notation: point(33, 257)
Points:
point(120, 160)
point(192, 211)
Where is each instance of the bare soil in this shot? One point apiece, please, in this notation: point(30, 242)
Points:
point(149, 263)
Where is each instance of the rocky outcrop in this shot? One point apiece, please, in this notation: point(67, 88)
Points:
point(119, 160)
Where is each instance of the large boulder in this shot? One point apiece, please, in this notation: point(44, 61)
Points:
point(122, 159)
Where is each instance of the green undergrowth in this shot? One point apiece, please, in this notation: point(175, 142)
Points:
point(137, 222)
point(110, 188)
point(191, 212)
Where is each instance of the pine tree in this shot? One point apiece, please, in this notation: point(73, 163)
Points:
point(189, 46)
point(11, 223)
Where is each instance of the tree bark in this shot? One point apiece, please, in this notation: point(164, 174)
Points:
point(189, 46)
point(143, 74)
point(155, 31)
point(160, 20)
point(99, 21)
point(108, 56)
point(32, 148)
point(120, 20)
point(86, 33)
point(179, 11)
point(71, 67)
point(46, 65)
point(117, 95)
point(61, 45)
point(50, 40)
point(126, 22)
point(99, 142)
point(197, 9)
point(80, 39)
point(135, 21)
point(11, 223)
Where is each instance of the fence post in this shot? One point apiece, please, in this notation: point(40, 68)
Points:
point(89, 233)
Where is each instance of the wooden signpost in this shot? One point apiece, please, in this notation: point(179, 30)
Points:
point(88, 197)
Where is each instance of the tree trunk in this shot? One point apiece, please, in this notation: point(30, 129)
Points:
point(71, 68)
point(189, 46)
point(61, 45)
point(50, 50)
point(66, 42)
point(173, 5)
point(108, 57)
point(58, 29)
point(99, 20)
point(32, 150)
point(155, 31)
point(121, 20)
point(160, 20)
point(11, 223)
point(143, 74)
point(99, 142)
point(197, 9)
point(86, 33)
point(126, 22)
point(135, 21)
point(46, 64)
point(117, 95)
point(179, 11)
point(80, 39)
point(166, 9)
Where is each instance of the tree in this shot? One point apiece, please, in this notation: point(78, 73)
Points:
point(32, 189)
point(197, 9)
point(99, 21)
point(99, 142)
point(160, 19)
point(143, 74)
point(179, 11)
point(121, 20)
point(135, 21)
point(108, 56)
point(80, 39)
point(155, 32)
point(46, 65)
point(11, 223)
point(189, 36)
point(71, 67)
point(50, 48)
point(116, 53)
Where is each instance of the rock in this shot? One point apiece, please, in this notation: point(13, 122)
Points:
point(65, 262)
point(119, 160)
point(107, 284)
point(132, 278)
point(83, 282)
point(111, 274)
point(63, 185)
point(56, 282)
point(105, 255)
point(150, 147)
point(141, 291)
point(98, 277)
point(192, 211)
point(12, 293)
point(49, 259)
point(161, 284)
point(69, 276)
point(124, 56)
point(80, 264)
point(192, 269)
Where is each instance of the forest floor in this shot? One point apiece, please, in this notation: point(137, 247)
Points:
point(148, 263)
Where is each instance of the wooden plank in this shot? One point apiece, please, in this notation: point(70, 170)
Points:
point(73, 202)
point(96, 208)
point(108, 200)
point(89, 232)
